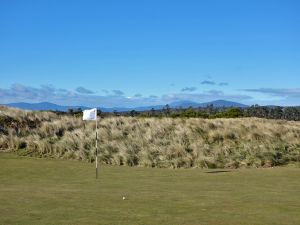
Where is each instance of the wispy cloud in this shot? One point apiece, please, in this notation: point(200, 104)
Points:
point(279, 92)
point(153, 97)
point(83, 90)
point(118, 92)
point(105, 91)
point(19, 92)
point(208, 82)
point(188, 89)
point(137, 95)
point(23, 93)
point(205, 96)
point(223, 84)
point(215, 92)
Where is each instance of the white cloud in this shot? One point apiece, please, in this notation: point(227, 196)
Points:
point(22, 93)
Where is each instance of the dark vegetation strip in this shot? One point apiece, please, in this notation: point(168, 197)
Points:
point(209, 112)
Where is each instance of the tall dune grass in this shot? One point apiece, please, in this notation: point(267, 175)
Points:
point(153, 142)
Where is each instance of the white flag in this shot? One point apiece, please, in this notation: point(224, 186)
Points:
point(90, 114)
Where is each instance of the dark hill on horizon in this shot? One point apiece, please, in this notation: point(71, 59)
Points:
point(47, 106)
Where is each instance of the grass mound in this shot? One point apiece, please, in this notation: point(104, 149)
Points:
point(153, 142)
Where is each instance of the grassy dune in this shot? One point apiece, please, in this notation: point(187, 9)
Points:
point(153, 142)
point(42, 191)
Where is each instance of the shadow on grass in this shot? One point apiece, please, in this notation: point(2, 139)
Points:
point(219, 171)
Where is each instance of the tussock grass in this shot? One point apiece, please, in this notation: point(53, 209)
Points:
point(153, 142)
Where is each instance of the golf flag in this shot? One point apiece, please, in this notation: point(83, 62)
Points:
point(90, 114)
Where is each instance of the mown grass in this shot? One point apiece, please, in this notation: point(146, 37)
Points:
point(42, 191)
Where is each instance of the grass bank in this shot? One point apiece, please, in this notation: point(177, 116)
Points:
point(153, 142)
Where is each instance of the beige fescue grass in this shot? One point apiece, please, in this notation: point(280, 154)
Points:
point(153, 142)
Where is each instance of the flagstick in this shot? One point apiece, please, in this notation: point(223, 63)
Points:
point(92, 115)
point(96, 149)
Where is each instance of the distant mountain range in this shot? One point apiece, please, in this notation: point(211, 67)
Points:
point(179, 104)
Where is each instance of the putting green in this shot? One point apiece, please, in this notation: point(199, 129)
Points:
point(44, 191)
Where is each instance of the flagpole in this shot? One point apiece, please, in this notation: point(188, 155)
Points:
point(92, 115)
point(96, 149)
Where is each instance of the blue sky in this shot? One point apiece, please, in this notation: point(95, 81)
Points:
point(136, 53)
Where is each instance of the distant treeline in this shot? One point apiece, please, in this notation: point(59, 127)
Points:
point(209, 112)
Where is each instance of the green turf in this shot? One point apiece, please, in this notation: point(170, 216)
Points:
point(41, 191)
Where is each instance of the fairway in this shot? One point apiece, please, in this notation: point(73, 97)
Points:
point(45, 191)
